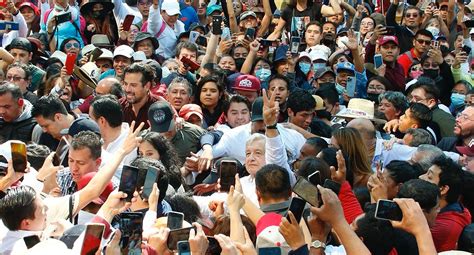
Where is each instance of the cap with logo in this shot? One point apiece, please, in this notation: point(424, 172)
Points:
point(388, 38)
point(345, 66)
point(161, 117)
point(247, 83)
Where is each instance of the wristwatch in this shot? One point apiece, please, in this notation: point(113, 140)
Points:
point(318, 245)
point(274, 126)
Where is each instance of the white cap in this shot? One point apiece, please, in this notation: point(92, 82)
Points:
point(139, 56)
point(88, 48)
point(317, 54)
point(171, 7)
point(106, 54)
point(124, 50)
point(304, 54)
point(59, 55)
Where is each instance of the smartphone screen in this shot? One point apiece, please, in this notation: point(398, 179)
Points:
point(127, 22)
point(150, 179)
point(141, 178)
point(250, 33)
point(378, 61)
point(295, 45)
point(175, 220)
point(228, 169)
point(183, 248)
point(351, 86)
point(466, 49)
point(201, 40)
point(315, 178)
point(216, 24)
point(63, 18)
point(128, 181)
point(177, 235)
point(388, 210)
point(296, 207)
point(307, 191)
point(269, 251)
point(92, 238)
point(131, 228)
point(226, 34)
point(214, 246)
point(70, 62)
point(61, 151)
point(31, 241)
point(18, 156)
point(95, 54)
point(193, 35)
point(332, 185)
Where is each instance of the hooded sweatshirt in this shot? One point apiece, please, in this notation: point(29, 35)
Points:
point(21, 128)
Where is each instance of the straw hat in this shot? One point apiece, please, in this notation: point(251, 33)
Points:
point(88, 73)
point(360, 108)
point(319, 103)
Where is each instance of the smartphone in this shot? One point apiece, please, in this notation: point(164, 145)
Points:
point(141, 178)
point(31, 241)
point(267, 43)
point(295, 44)
point(175, 220)
point(214, 246)
point(226, 34)
point(227, 172)
point(332, 185)
point(351, 86)
point(19, 156)
point(193, 66)
point(65, 17)
point(150, 179)
point(390, 30)
point(183, 248)
point(315, 178)
point(61, 151)
point(201, 40)
point(296, 207)
point(269, 251)
point(434, 44)
point(131, 228)
point(216, 24)
point(128, 181)
point(127, 22)
point(193, 35)
point(95, 54)
point(250, 33)
point(13, 26)
point(357, 35)
point(177, 235)
point(388, 210)
point(307, 191)
point(466, 49)
point(92, 238)
point(378, 61)
point(70, 62)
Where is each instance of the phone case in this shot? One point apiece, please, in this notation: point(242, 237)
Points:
point(70, 62)
point(127, 22)
point(350, 87)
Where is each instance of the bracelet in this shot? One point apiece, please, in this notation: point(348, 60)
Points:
point(274, 126)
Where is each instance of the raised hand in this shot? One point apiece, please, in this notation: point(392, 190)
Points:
point(271, 108)
point(339, 175)
point(352, 43)
point(132, 140)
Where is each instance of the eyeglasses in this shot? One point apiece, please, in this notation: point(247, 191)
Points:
point(14, 78)
point(425, 42)
point(71, 45)
point(367, 23)
point(463, 116)
point(411, 15)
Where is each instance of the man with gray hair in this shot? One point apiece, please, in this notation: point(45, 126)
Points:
point(414, 137)
point(425, 154)
point(179, 93)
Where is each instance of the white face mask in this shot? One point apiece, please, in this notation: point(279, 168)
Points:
point(340, 42)
point(433, 30)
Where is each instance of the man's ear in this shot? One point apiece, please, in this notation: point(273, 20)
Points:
point(444, 190)
point(21, 102)
point(98, 161)
point(57, 116)
point(31, 56)
point(290, 112)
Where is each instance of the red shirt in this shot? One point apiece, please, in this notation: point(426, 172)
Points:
point(448, 228)
point(406, 61)
point(142, 116)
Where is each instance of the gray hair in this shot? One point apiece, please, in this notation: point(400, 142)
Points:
point(429, 153)
point(399, 101)
point(255, 138)
point(181, 82)
point(420, 137)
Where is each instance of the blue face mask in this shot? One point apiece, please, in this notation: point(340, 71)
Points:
point(263, 74)
point(305, 67)
point(340, 89)
point(457, 100)
point(317, 66)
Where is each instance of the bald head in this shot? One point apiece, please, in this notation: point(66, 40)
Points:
point(109, 85)
point(364, 126)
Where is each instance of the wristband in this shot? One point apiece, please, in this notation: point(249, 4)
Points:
point(274, 126)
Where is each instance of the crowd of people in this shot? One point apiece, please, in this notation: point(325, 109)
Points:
point(131, 114)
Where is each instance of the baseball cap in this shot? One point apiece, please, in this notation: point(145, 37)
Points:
point(466, 150)
point(318, 55)
point(257, 109)
point(82, 123)
point(212, 8)
point(59, 55)
point(20, 43)
point(247, 83)
point(189, 109)
point(161, 117)
point(247, 14)
point(123, 50)
point(348, 66)
point(106, 54)
point(388, 38)
point(268, 234)
point(31, 5)
point(322, 71)
point(171, 7)
point(103, 196)
point(143, 36)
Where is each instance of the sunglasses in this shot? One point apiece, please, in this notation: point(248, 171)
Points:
point(411, 15)
point(425, 42)
point(71, 45)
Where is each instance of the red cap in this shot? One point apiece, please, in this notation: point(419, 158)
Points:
point(105, 194)
point(267, 220)
point(247, 82)
point(388, 38)
point(189, 109)
point(31, 5)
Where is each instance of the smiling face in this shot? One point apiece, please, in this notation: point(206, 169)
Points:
point(28, 14)
point(135, 91)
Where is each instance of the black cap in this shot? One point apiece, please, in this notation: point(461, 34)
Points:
point(322, 71)
point(81, 124)
point(20, 43)
point(280, 53)
point(257, 109)
point(145, 35)
point(160, 116)
point(466, 240)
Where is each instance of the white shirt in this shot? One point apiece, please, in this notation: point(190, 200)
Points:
point(14, 239)
point(405, 152)
point(121, 10)
point(169, 37)
point(115, 145)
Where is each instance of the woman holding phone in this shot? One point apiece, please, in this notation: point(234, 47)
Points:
point(99, 19)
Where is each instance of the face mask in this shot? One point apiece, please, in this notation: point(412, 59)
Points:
point(317, 66)
point(96, 14)
point(323, 84)
point(263, 74)
point(239, 62)
point(431, 73)
point(434, 30)
point(416, 74)
point(340, 89)
point(373, 97)
point(457, 100)
point(305, 67)
point(228, 72)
